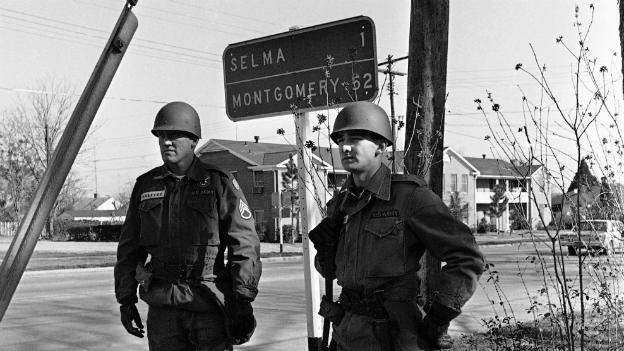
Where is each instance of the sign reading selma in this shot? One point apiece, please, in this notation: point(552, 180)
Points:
point(308, 69)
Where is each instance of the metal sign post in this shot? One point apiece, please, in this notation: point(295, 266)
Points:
point(32, 223)
point(311, 217)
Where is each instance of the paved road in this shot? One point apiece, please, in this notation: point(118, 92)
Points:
point(76, 310)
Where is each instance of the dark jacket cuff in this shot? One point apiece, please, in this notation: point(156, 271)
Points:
point(440, 314)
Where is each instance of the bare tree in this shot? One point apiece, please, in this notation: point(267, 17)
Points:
point(31, 131)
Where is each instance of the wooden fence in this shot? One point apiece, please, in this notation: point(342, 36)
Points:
point(8, 228)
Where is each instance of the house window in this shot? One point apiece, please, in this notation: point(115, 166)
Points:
point(258, 182)
point(464, 183)
point(453, 183)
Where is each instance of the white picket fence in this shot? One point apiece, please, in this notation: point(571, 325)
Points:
point(8, 228)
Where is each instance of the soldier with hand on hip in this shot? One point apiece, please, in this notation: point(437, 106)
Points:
point(181, 218)
point(376, 231)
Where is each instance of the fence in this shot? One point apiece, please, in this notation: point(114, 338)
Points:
point(8, 228)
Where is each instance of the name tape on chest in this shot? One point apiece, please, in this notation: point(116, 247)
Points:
point(199, 192)
point(385, 214)
point(158, 194)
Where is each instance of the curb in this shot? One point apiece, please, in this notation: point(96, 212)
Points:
point(293, 257)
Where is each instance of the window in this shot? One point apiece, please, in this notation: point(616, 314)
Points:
point(258, 182)
point(453, 183)
point(259, 216)
point(464, 183)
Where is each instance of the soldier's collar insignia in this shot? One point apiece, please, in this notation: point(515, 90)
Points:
point(158, 194)
point(205, 181)
point(244, 209)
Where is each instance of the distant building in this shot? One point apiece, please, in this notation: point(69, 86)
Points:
point(527, 188)
point(602, 201)
point(95, 211)
point(258, 168)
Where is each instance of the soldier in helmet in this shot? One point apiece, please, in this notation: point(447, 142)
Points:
point(181, 218)
point(376, 230)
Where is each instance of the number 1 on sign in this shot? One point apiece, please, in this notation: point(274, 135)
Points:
point(362, 36)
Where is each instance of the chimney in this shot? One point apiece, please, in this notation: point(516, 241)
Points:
point(256, 138)
point(483, 156)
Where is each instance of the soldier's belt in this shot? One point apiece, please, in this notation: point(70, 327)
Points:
point(358, 303)
point(174, 272)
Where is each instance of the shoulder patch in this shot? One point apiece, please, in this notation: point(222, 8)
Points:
point(158, 194)
point(409, 178)
point(235, 183)
point(244, 209)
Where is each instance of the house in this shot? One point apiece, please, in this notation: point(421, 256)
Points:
point(95, 211)
point(258, 168)
point(473, 179)
point(603, 201)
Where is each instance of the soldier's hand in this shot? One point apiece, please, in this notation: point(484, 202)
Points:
point(436, 334)
point(324, 262)
point(242, 321)
point(129, 314)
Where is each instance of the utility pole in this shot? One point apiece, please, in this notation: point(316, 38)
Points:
point(426, 96)
point(391, 92)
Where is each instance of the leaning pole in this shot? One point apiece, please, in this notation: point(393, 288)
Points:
point(32, 223)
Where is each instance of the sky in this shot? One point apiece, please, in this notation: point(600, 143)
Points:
point(176, 54)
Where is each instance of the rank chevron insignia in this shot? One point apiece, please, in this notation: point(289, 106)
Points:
point(244, 209)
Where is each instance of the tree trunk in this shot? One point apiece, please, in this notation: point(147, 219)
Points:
point(426, 95)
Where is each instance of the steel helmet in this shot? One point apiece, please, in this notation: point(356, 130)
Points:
point(177, 116)
point(363, 115)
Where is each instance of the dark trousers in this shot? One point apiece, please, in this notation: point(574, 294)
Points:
point(170, 328)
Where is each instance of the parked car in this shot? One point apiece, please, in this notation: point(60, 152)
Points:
point(597, 235)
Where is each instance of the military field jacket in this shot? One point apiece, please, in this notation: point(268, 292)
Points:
point(189, 221)
point(380, 234)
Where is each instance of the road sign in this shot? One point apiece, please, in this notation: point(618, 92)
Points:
point(309, 68)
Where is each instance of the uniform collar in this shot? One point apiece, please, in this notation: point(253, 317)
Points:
point(379, 185)
point(194, 172)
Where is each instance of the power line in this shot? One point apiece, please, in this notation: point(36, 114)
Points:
point(168, 20)
point(59, 33)
point(97, 30)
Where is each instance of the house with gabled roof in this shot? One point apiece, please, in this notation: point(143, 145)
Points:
point(527, 188)
point(258, 169)
point(95, 211)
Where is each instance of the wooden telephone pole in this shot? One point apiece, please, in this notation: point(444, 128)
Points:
point(426, 95)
